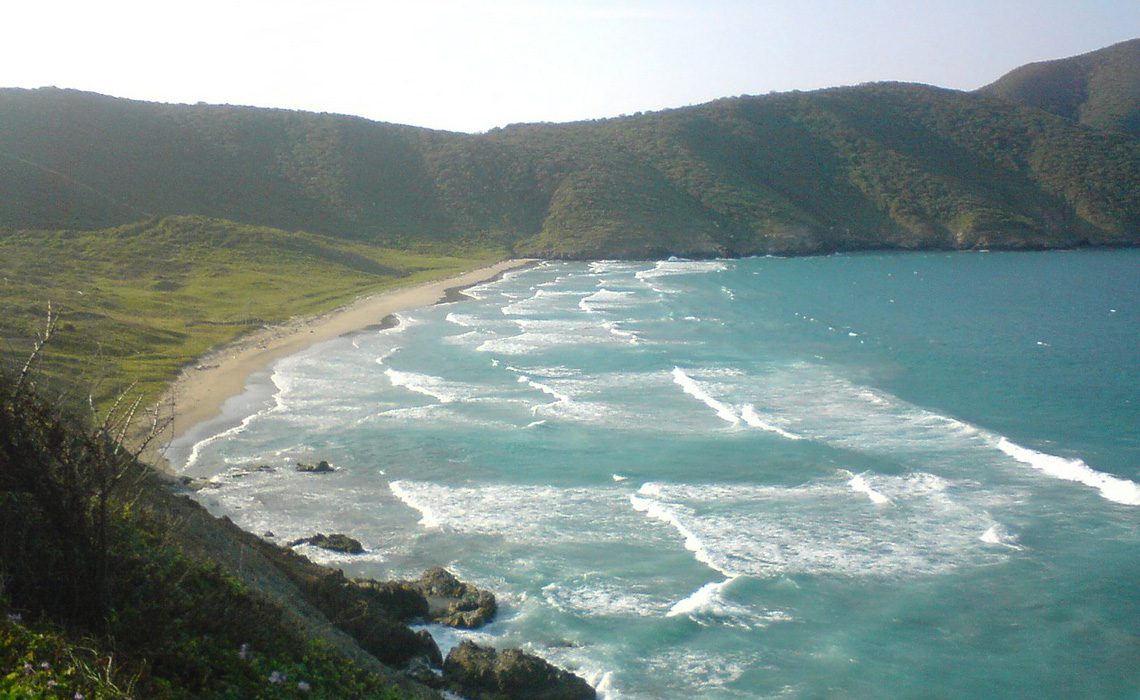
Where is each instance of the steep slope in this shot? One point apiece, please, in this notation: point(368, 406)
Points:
point(1100, 89)
point(873, 166)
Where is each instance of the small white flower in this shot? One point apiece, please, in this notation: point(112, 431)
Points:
point(303, 686)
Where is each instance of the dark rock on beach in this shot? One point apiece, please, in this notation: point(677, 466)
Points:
point(335, 542)
point(482, 673)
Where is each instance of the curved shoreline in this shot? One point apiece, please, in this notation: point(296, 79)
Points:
point(200, 391)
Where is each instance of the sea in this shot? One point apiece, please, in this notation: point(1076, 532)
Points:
point(905, 475)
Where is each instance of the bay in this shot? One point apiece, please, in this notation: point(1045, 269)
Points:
point(874, 475)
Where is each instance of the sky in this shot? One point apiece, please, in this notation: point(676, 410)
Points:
point(472, 66)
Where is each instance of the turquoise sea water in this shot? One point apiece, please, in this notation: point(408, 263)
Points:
point(864, 476)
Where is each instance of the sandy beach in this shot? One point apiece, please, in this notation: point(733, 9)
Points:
point(200, 391)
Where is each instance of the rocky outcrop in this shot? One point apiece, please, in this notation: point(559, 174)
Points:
point(454, 603)
point(481, 673)
point(373, 619)
point(335, 542)
point(321, 467)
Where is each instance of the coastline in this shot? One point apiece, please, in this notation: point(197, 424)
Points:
point(199, 393)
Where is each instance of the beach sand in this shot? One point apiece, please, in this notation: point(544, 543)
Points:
point(198, 394)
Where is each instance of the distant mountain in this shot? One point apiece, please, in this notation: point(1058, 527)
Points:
point(872, 166)
point(1100, 89)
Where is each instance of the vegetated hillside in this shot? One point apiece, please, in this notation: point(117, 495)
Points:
point(873, 166)
point(136, 302)
point(1100, 89)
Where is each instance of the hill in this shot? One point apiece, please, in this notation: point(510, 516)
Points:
point(872, 166)
point(1100, 89)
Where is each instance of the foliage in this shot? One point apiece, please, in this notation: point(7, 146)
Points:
point(98, 601)
point(872, 166)
point(1100, 89)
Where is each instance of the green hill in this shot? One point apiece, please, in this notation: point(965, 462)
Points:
point(873, 166)
point(1100, 89)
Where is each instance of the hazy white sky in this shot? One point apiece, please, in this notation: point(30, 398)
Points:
point(470, 66)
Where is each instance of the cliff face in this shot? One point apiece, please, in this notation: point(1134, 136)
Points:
point(873, 166)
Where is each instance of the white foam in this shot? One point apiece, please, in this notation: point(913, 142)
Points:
point(437, 388)
point(524, 514)
point(464, 320)
point(997, 534)
point(281, 381)
point(1110, 487)
point(428, 518)
point(541, 301)
point(666, 268)
point(555, 372)
point(818, 529)
point(709, 604)
point(692, 388)
point(606, 298)
point(629, 336)
point(387, 354)
point(544, 388)
point(858, 484)
point(601, 267)
point(666, 514)
point(748, 415)
point(619, 477)
point(591, 596)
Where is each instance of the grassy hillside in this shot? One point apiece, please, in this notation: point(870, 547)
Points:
point(873, 166)
point(136, 302)
point(111, 586)
point(1100, 89)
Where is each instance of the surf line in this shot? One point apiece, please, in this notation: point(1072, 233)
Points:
point(725, 412)
point(1112, 488)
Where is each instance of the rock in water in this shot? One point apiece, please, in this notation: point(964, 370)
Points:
point(481, 673)
point(454, 603)
point(322, 467)
point(335, 542)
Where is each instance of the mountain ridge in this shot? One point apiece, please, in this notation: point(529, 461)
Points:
point(879, 165)
point(1100, 88)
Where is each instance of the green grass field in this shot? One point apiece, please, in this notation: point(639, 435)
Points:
point(138, 302)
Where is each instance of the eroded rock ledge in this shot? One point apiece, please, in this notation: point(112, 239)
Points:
point(481, 673)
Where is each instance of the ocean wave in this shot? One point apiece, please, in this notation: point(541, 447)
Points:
point(542, 301)
point(858, 484)
point(710, 605)
point(591, 596)
point(437, 388)
point(391, 351)
point(818, 529)
point(996, 534)
point(667, 514)
point(668, 268)
point(544, 388)
point(606, 299)
point(601, 267)
point(692, 388)
point(524, 514)
point(617, 331)
point(748, 415)
point(405, 491)
point(1113, 488)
